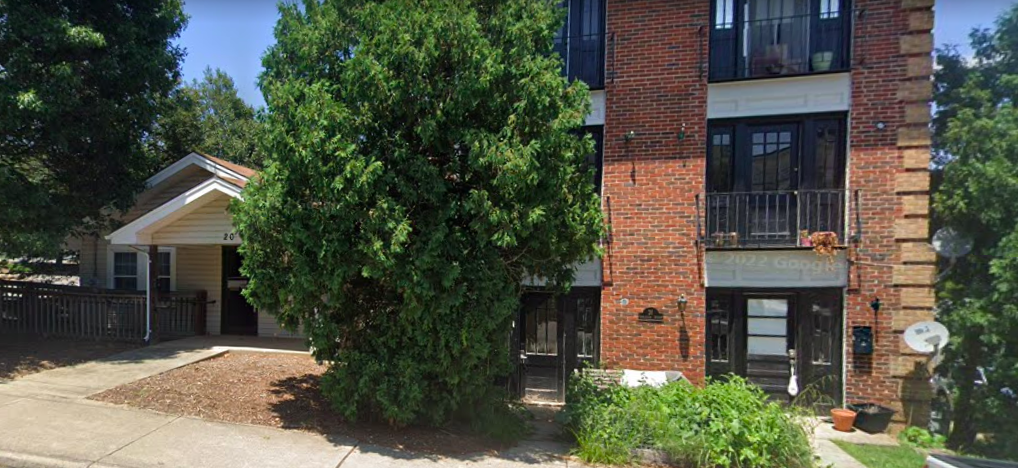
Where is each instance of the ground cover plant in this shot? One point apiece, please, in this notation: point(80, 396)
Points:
point(725, 423)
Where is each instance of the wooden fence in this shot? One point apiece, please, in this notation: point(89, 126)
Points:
point(79, 312)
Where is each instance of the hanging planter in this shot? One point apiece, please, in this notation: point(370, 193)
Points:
point(825, 244)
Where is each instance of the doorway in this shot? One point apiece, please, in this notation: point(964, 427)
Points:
point(772, 337)
point(556, 334)
point(238, 316)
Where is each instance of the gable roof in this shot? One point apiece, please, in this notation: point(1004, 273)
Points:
point(140, 230)
point(218, 167)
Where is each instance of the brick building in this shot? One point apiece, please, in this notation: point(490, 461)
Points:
point(729, 133)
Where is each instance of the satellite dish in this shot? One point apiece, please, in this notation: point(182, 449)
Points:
point(926, 337)
point(951, 244)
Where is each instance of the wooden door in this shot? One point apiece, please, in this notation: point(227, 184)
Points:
point(819, 350)
point(770, 335)
point(238, 316)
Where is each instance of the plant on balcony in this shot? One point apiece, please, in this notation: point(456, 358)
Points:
point(825, 244)
point(804, 239)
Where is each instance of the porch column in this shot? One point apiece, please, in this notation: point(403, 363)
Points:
point(153, 288)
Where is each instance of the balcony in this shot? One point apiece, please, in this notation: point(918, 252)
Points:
point(770, 220)
point(779, 45)
point(583, 57)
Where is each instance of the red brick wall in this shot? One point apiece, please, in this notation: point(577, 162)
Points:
point(654, 87)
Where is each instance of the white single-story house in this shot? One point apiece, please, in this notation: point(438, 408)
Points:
point(183, 214)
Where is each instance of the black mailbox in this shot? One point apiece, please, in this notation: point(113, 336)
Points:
point(862, 340)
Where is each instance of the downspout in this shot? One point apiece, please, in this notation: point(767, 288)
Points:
point(148, 297)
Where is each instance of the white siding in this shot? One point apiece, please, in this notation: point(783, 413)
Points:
point(209, 224)
point(597, 107)
point(201, 268)
point(779, 96)
point(92, 262)
point(267, 326)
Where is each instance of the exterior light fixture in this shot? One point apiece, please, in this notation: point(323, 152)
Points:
point(682, 303)
point(682, 132)
point(875, 304)
point(629, 136)
point(881, 125)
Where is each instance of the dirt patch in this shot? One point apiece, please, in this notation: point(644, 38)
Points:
point(279, 390)
point(22, 355)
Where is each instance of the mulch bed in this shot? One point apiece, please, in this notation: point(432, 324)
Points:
point(21, 355)
point(279, 390)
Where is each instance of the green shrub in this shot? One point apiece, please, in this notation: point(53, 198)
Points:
point(727, 424)
point(921, 438)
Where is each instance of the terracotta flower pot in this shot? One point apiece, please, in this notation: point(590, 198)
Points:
point(843, 419)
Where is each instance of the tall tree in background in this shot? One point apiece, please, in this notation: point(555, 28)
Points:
point(977, 146)
point(410, 187)
point(78, 85)
point(208, 116)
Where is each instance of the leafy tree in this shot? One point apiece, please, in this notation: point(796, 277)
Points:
point(78, 83)
point(422, 160)
point(977, 137)
point(207, 116)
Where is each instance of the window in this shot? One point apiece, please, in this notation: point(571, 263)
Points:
point(542, 327)
point(586, 327)
point(721, 177)
point(581, 41)
point(766, 38)
point(128, 269)
point(125, 271)
point(596, 160)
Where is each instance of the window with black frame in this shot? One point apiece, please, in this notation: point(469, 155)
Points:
point(581, 41)
point(767, 38)
point(768, 180)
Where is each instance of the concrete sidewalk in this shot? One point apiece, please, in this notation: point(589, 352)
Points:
point(46, 421)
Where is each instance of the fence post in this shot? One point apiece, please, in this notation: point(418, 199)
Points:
point(200, 313)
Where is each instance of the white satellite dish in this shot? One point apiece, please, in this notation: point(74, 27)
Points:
point(927, 337)
point(949, 243)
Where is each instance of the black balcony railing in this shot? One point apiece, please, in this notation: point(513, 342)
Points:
point(788, 45)
point(583, 58)
point(770, 219)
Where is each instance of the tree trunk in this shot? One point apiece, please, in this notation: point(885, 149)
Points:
point(966, 413)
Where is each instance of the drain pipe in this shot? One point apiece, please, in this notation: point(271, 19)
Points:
point(148, 298)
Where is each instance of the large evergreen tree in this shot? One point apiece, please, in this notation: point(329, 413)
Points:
point(977, 143)
point(207, 116)
point(422, 160)
point(79, 82)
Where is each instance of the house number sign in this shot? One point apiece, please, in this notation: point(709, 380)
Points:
point(229, 236)
point(651, 315)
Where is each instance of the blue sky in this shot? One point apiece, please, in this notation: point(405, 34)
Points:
point(233, 35)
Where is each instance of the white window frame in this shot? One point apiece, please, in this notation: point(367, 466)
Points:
point(142, 254)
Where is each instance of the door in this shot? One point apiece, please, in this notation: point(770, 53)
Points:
point(238, 317)
point(770, 335)
point(771, 177)
point(762, 334)
point(558, 335)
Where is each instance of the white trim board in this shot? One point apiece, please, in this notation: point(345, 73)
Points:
point(779, 96)
point(139, 231)
point(197, 160)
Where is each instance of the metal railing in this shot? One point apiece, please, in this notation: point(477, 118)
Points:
point(80, 312)
point(770, 219)
point(787, 45)
point(583, 58)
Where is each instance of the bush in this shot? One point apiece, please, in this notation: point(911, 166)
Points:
point(728, 423)
point(921, 438)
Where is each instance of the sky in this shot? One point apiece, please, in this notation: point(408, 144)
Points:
point(233, 35)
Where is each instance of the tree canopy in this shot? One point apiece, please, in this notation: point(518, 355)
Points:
point(78, 85)
point(977, 142)
point(207, 116)
point(422, 159)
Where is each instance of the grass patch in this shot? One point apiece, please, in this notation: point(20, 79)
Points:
point(879, 456)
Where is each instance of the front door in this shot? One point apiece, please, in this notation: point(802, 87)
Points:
point(558, 333)
point(775, 337)
point(238, 316)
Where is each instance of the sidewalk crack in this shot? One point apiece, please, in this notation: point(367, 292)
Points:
point(90, 465)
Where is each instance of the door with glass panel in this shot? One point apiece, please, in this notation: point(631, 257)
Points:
point(559, 333)
point(773, 177)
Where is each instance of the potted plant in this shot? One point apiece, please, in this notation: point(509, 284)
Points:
point(822, 60)
point(843, 419)
point(871, 417)
point(804, 240)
